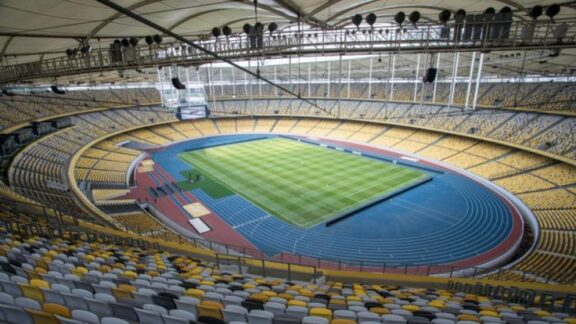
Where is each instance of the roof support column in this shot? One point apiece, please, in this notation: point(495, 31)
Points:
point(470, 75)
point(234, 83)
point(454, 75)
point(221, 83)
point(349, 75)
point(309, 81)
point(392, 77)
point(478, 77)
point(339, 84)
point(416, 77)
point(276, 80)
point(328, 93)
point(437, 77)
point(290, 81)
point(250, 89)
point(370, 79)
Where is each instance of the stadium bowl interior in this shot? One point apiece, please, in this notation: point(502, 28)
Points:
point(287, 162)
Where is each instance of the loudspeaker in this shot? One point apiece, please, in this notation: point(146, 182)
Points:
point(57, 91)
point(430, 75)
point(177, 84)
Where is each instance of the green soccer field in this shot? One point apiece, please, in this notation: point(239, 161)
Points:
point(301, 183)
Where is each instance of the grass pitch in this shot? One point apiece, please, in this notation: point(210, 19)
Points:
point(303, 184)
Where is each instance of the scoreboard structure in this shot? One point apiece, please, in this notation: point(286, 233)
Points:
point(182, 92)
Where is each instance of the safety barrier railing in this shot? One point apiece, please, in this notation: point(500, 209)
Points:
point(256, 260)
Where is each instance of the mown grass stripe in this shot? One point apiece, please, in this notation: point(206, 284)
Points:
point(300, 183)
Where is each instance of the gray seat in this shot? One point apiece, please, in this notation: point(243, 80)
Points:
point(168, 319)
point(286, 319)
point(187, 303)
point(492, 320)
point(11, 288)
point(443, 321)
point(155, 308)
point(447, 316)
point(357, 309)
point(82, 293)
point(298, 311)
point(418, 320)
point(74, 301)
point(113, 320)
point(232, 300)
point(14, 314)
point(345, 314)
point(105, 297)
point(27, 303)
point(393, 319)
point(315, 320)
point(64, 320)
point(85, 316)
point(402, 312)
point(148, 317)
point(278, 300)
point(234, 313)
point(182, 314)
point(144, 296)
point(213, 296)
point(53, 296)
point(257, 316)
point(368, 317)
point(99, 307)
point(6, 298)
point(275, 308)
point(124, 311)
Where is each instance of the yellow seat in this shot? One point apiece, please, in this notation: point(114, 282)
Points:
point(32, 292)
point(411, 308)
point(337, 302)
point(196, 293)
point(130, 275)
point(122, 292)
point(468, 317)
point(207, 283)
point(259, 297)
point(353, 298)
point(286, 296)
point(380, 310)
point(570, 320)
point(517, 308)
point(489, 313)
point(39, 283)
point(541, 313)
point(437, 304)
point(321, 312)
point(295, 302)
point(342, 321)
point(40, 317)
point(80, 271)
point(306, 293)
point(269, 293)
point(56, 310)
point(210, 309)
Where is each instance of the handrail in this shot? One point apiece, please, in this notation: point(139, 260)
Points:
point(427, 38)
